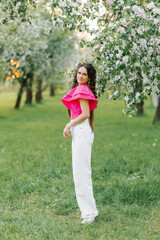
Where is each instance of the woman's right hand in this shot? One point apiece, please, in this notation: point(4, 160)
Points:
point(66, 132)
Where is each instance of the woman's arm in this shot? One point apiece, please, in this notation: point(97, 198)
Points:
point(84, 115)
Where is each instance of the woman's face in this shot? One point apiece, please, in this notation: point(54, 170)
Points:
point(82, 76)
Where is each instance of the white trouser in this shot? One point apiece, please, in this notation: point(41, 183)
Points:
point(82, 140)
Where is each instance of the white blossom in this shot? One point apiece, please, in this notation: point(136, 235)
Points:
point(131, 89)
point(74, 4)
point(18, 4)
point(150, 5)
point(118, 62)
point(97, 34)
point(125, 59)
point(59, 20)
point(156, 21)
point(133, 32)
point(158, 58)
point(122, 74)
point(111, 25)
point(124, 22)
point(156, 11)
point(110, 96)
point(123, 44)
point(124, 111)
point(115, 93)
point(116, 48)
point(117, 78)
point(143, 42)
point(119, 54)
point(126, 98)
point(121, 30)
point(150, 50)
point(88, 4)
point(131, 79)
point(151, 72)
point(110, 39)
point(79, 1)
point(127, 7)
point(97, 46)
point(69, 26)
point(139, 11)
point(82, 28)
point(137, 95)
point(139, 30)
point(137, 64)
point(63, 4)
point(145, 79)
point(121, 1)
point(102, 48)
point(110, 2)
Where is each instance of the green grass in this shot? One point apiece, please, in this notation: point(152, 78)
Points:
point(37, 198)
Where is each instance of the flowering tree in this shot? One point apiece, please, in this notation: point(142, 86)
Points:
point(15, 9)
point(127, 52)
point(39, 49)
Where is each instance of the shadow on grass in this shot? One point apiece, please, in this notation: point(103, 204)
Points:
point(30, 106)
point(2, 117)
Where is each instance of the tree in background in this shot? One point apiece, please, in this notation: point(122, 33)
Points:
point(39, 48)
point(127, 51)
point(11, 10)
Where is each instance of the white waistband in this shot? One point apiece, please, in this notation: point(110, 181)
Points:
point(85, 121)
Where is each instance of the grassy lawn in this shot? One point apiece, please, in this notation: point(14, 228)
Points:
point(37, 198)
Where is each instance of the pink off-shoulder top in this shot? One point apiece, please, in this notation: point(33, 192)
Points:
point(71, 102)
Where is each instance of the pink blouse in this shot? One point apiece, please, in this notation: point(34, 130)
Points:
point(71, 102)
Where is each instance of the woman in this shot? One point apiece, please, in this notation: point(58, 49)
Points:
point(81, 101)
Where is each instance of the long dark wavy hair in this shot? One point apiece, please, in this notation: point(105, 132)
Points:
point(91, 84)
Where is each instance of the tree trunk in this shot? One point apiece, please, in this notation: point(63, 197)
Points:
point(39, 91)
point(45, 87)
point(52, 90)
point(29, 89)
point(155, 97)
point(140, 108)
point(157, 115)
point(24, 82)
point(139, 89)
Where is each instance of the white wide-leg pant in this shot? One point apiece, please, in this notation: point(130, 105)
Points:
point(82, 140)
